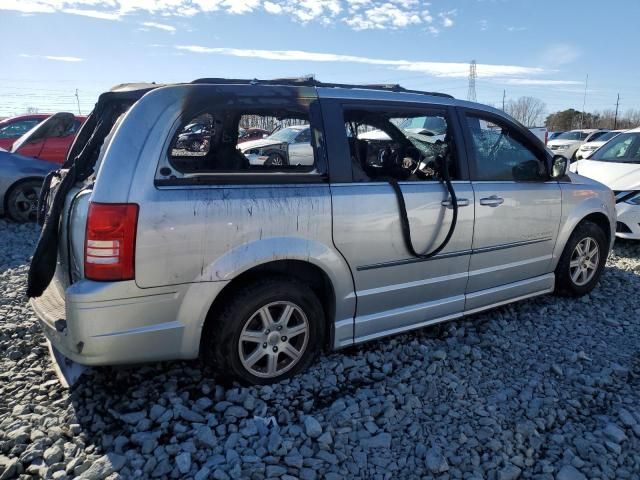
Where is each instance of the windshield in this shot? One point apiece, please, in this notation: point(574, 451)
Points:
point(623, 148)
point(571, 136)
point(436, 125)
point(605, 137)
point(287, 135)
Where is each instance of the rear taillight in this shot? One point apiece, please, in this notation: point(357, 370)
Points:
point(110, 241)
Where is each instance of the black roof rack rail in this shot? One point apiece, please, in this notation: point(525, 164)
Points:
point(312, 82)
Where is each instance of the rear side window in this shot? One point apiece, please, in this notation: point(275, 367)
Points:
point(17, 129)
point(501, 154)
point(244, 140)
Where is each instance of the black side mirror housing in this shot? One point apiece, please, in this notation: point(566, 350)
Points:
point(559, 167)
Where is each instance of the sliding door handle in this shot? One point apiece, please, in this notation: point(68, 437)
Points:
point(462, 202)
point(492, 201)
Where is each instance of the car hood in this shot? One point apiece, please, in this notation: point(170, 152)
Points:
point(57, 122)
point(263, 142)
point(556, 141)
point(592, 144)
point(616, 176)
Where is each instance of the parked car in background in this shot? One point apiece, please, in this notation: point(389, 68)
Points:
point(50, 140)
point(567, 143)
point(194, 137)
point(162, 255)
point(248, 134)
point(540, 132)
point(553, 135)
point(587, 148)
point(22, 170)
point(13, 128)
point(287, 146)
point(617, 165)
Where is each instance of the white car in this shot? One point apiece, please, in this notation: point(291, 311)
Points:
point(617, 165)
point(587, 148)
point(567, 143)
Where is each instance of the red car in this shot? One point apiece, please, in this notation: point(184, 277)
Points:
point(13, 128)
point(48, 145)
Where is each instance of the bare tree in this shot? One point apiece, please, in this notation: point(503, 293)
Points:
point(527, 110)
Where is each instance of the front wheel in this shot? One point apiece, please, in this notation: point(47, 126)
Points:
point(270, 330)
point(582, 260)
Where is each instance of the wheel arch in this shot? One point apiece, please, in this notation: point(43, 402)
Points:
point(600, 218)
point(311, 274)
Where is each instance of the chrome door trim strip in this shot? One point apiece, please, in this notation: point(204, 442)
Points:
point(440, 256)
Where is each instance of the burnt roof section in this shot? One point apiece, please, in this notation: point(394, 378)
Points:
point(312, 82)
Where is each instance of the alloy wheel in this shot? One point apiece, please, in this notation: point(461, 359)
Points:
point(584, 261)
point(273, 339)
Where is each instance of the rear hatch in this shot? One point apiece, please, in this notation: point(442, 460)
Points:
point(64, 201)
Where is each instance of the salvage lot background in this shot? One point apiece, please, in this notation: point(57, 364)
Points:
point(546, 388)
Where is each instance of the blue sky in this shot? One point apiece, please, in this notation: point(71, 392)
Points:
point(539, 48)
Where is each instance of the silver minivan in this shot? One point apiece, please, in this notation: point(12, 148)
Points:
point(408, 209)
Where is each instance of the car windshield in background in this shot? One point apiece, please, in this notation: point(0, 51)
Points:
point(606, 137)
point(287, 135)
point(624, 148)
point(571, 136)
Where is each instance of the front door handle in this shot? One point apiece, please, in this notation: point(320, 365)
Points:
point(462, 202)
point(492, 201)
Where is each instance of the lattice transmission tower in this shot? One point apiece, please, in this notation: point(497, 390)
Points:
point(473, 74)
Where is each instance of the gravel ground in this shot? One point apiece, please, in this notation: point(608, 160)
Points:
point(547, 388)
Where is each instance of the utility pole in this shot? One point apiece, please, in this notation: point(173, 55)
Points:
point(78, 100)
point(584, 101)
point(615, 120)
point(471, 94)
point(504, 94)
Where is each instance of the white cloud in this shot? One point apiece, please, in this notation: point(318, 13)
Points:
point(93, 13)
point(437, 69)
point(446, 17)
point(272, 7)
point(540, 81)
point(358, 14)
point(516, 29)
point(484, 25)
point(159, 26)
point(55, 58)
point(560, 54)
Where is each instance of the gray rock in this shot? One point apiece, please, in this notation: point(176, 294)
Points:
point(312, 427)
point(614, 433)
point(509, 472)
point(183, 462)
point(104, 466)
point(568, 472)
point(52, 455)
point(435, 461)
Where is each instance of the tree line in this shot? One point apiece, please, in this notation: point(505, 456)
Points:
point(530, 111)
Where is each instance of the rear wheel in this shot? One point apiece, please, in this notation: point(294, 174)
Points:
point(582, 261)
point(21, 203)
point(270, 330)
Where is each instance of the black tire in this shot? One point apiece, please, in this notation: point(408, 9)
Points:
point(195, 146)
point(275, 160)
point(565, 283)
point(221, 348)
point(21, 201)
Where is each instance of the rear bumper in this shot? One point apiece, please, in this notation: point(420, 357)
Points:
point(118, 323)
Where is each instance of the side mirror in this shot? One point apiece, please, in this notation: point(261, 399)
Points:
point(559, 166)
